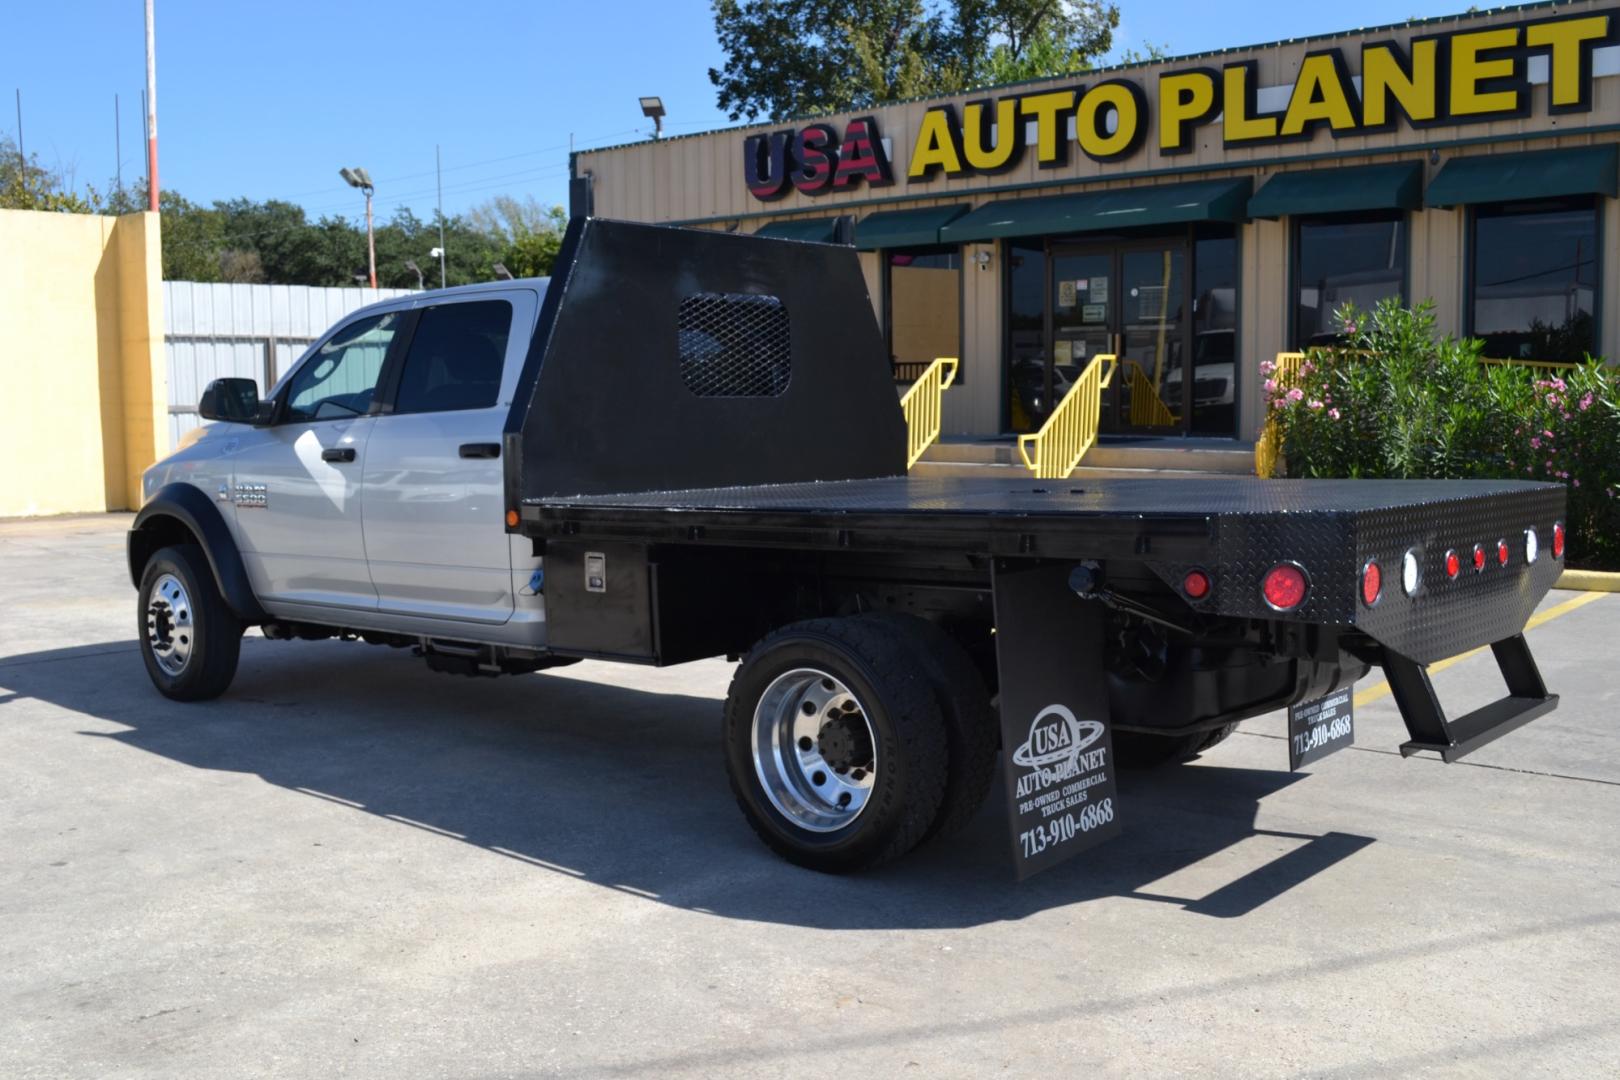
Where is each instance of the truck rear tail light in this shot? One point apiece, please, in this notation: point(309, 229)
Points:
point(1501, 553)
point(1372, 583)
point(1285, 586)
point(1532, 545)
point(1195, 584)
point(1479, 558)
point(1558, 539)
point(1453, 564)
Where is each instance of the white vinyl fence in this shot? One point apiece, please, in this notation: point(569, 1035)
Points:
point(251, 331)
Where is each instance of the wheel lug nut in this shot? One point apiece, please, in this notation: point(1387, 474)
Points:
point(805, 744)
point(819, 778)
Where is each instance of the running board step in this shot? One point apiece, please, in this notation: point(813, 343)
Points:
point(1452, 739)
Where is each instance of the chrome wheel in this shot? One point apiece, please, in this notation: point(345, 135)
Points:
point(169, 629)
point(814, 750)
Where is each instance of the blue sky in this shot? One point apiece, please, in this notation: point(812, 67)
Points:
point(270, 100)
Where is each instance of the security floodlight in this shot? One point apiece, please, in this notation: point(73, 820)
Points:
point(434, 253)
point(360, 280)
point(502, 273)
point(653, 109)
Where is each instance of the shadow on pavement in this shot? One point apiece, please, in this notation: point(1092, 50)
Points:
point(625, 787)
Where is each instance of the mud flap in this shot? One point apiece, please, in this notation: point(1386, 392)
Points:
point(1057, 746)
point(1426, 721)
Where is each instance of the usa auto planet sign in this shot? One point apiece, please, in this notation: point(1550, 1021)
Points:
point(1064, 786)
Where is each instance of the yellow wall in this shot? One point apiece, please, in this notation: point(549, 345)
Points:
point(82, 378)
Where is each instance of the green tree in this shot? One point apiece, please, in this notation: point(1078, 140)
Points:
point(25, 184)
point(788, 58)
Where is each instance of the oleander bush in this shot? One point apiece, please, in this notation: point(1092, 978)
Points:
point(1396, 399)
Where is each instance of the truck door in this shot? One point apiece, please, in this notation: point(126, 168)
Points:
point(435, 532)
point(296, 483)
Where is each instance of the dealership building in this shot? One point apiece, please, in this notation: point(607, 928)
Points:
point(1195, 216)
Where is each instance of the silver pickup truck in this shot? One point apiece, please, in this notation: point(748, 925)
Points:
point(687, 444)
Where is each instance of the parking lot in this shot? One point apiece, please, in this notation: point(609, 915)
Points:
point(350, 865)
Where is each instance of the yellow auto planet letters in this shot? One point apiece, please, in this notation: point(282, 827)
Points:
point(1452, 78)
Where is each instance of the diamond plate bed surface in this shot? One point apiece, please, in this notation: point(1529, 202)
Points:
point(975, 495)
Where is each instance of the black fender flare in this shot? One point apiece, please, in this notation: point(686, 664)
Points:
point(196, 511)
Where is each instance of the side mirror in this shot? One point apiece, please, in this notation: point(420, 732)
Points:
point(235, 400)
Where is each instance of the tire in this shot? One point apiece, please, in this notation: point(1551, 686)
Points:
point(190, 640)
point(852, 753)
point(1136, 750)
point(972, 731)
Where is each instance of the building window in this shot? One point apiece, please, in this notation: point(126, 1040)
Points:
point(1339, 260)
point(1534, 271)
point(1215, 369)
point(923, 287)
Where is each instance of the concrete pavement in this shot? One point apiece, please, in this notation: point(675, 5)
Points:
point(352, 866)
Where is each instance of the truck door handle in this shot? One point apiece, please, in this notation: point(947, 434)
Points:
point(338, 453)
point(480, 449)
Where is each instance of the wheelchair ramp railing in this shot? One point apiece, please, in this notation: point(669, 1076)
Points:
point(1052, 452)
point(922, 406)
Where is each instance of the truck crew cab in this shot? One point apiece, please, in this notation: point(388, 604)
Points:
point(686, 444)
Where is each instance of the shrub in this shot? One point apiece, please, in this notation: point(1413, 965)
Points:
point(1395, 399)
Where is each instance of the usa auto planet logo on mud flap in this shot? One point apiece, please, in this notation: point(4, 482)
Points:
point(1054, 750)
point(1064, 764)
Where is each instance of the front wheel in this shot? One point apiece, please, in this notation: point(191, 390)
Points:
point(835, 744)
point(190, 638)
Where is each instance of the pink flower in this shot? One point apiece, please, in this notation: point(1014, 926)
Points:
point(1577, 481)
point(1535, 444)
point(1279, 403)
point(1296, 394)
point(1333, 414)
point(1586, 402)
point(1271, 386)
point(1546, 434)
point(1267, 367)
point(1314, 405)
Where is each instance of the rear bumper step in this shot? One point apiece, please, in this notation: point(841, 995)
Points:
point(1426, 721)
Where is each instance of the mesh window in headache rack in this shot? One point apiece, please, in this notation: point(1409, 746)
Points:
point(734, 345)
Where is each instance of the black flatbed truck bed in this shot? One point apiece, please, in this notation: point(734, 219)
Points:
point(678, 522)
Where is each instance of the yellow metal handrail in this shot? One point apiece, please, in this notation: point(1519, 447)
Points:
point(922, 406)
point(1071, 430)
point(1268, 448)
point(1147, 407)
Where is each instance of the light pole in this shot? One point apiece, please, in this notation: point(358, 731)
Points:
point(359, 178)
point(653, 109)
point(410, 264)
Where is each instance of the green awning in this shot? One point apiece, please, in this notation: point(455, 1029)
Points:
point(1333, 191)
point(1541, 174)
point(1099, 211)
point(815, 230)
point(905, 228)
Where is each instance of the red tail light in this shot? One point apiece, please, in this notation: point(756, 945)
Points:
point(1558, 539)
point(1501, 553)
point(1195, 584)
point(1479, 557)
point(1372, 583)
point(1284, 586)
point(1453, 564)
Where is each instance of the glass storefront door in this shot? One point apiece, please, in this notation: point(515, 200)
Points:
point(1128, 301)
point(1149, 389)
point(1165, 306)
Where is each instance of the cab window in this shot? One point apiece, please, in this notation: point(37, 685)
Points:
point(455, 358)
point(341, 378)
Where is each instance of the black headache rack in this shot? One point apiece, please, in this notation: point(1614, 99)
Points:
point(696, 400)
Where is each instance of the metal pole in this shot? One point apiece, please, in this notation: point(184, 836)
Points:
point(143, 124)
point(118, 144)
point(438, 172)
point(151, 114)
point(22, 156)
point(371, 244)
